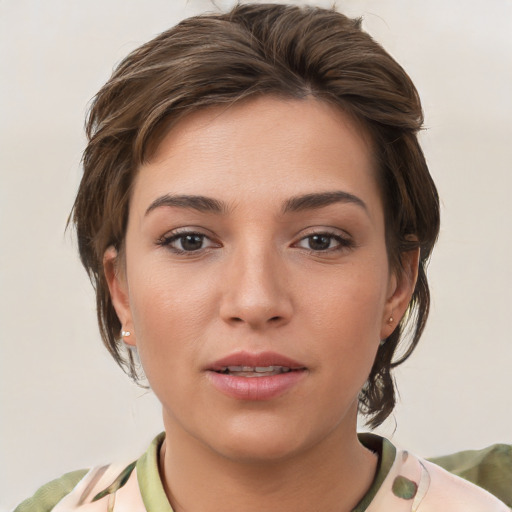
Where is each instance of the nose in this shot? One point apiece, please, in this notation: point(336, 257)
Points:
point(256, 292)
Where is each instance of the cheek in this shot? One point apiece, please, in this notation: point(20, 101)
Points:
point(170, 310)
point(163, 294)
point(349, 302)
point(344, 321)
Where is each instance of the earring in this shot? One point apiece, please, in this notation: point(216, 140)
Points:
point(125, 334)
point(390, 320)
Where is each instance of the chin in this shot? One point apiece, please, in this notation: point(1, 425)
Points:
point(263, 439)
point(257, 449)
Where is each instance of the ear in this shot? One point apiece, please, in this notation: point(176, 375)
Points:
point(118, 287)
point(401, 287)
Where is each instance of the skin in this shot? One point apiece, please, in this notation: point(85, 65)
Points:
point(257, 281)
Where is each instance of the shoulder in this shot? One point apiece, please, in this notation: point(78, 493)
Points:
point(96, 489)
point(414, 484)
point(51, 493)
point(447, 491)
point(489, 468)
point(90, 489)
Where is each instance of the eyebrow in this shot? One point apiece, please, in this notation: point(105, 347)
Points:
point(300, 203)
point(200, 203)
point(320, 200)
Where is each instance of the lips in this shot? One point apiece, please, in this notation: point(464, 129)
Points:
point(263, 376)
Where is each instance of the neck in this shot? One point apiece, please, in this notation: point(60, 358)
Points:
point(331, 476)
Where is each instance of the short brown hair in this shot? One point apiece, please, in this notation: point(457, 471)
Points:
point(259, 49)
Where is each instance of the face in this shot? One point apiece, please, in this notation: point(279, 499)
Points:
point(255, 281)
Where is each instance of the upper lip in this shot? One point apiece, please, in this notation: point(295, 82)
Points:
point(262, 359)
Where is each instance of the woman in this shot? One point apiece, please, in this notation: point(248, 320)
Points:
point(256, 215)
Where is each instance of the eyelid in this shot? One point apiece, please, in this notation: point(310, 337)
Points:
point(187, 230)
point(324, 230)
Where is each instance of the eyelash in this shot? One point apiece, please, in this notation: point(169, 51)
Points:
point(343, 242)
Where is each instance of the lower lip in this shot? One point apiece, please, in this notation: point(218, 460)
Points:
point(255, 388)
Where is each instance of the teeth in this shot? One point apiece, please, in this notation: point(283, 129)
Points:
point(274, 370)
point(263, 369)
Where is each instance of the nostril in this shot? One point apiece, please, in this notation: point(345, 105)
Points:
point(238, 320)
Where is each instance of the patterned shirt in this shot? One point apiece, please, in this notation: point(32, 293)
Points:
point(403, 483)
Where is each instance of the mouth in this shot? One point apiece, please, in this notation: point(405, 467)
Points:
point(260, 377)
point(248, 364)
point(255, 371)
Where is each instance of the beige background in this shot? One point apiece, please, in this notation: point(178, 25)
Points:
point(64, 403)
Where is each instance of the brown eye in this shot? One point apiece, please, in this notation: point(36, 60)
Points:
point(190, 242)
point(319, 242)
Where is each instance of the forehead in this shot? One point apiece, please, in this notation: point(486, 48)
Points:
point(258, 146)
